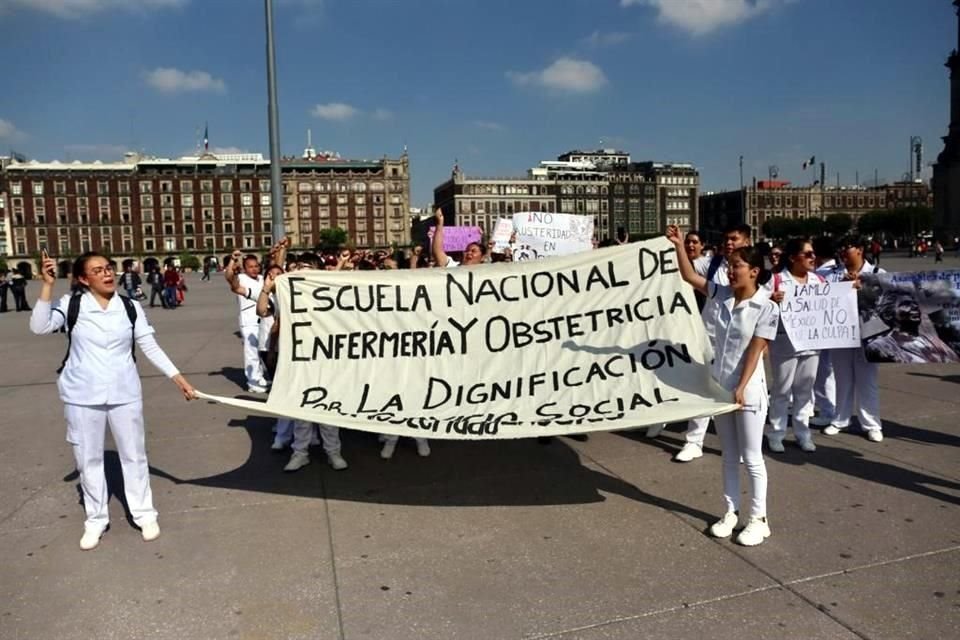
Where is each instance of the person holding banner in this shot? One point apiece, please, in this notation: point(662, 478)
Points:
point(825, 386)
point(472, 255)
point(247, 286)
point(794, 372)
point(713, 269)
point(745, 323)
point(856, 377)
point(99, 385)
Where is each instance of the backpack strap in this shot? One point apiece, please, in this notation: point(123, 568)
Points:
point(715, 263)
point(776, 281)
point(73, 314)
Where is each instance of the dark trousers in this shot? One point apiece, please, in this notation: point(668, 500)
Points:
point(20, 299)
point(157, 291)
point(3, 298)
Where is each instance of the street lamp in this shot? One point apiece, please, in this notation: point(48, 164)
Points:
point(916, 149)
point(276, 188)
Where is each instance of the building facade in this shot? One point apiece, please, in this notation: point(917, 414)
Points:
point(907, 194)
point(478, 201)
point(768, 199)
point(206, 205)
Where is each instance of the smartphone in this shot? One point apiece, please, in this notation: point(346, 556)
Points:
point(43, 253)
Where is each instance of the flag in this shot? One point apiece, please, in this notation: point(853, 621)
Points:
point(206, 137)
point(809, 163)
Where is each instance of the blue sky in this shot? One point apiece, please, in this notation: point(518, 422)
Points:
point(498, 85)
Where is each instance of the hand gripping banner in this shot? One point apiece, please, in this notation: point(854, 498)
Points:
point(601, 340)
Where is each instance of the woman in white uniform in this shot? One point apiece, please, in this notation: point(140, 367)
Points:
point(99, 384)
point(746, 322)
point(794, 372)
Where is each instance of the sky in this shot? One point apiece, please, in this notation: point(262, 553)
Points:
point(493, 85)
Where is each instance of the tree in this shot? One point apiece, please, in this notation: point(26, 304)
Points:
point(779, 228)
point(332, 239)
point(3, 265)
point(189, 261)
point(873, 222)
point(838, 224)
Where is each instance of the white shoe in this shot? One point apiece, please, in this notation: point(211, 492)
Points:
point(775, 442)
point(832, 430)
point(723, 527)
point(90, 539)
point(256, 388)
point(691, 451)
point(389, 446)
point(336, 461)
point(150, 531)
point(874, 435)
point(298, 460)
point(756, 531)
point(423, 448)
point(820, 421)
point(806, 444)
point(655, 430)
point(278, 445)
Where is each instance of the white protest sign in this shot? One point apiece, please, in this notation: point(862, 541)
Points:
point(542, 234)
point(820, 315)
point(502, 233)
point(601, 340)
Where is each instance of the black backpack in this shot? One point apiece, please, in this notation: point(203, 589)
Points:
point(73, 313)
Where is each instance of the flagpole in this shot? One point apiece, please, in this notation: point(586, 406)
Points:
point(276, 187)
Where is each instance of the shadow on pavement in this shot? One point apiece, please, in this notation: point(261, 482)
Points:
point(944, 378)
point(496, 473)
point(668, 446)
point(235, 375)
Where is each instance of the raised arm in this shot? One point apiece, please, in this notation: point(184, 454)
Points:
point(440, 256)
point(687, 272)
point(230, 273)
point(45, 318)
point(263, 300)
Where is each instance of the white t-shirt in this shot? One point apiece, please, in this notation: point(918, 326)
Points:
point(736, 326)
point(248, 302)
point(721, 277)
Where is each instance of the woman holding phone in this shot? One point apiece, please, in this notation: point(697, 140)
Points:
point(99, 385)
point(746, 323)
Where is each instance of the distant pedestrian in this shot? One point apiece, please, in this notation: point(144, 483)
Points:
point(938, 251)
point(130, 279)
point(875, 250)
point(206, 271)
point(4, 286)
point(18, 285)
point(170, 281)
point(155, 280)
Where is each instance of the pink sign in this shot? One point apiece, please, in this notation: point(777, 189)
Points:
point(457, 238)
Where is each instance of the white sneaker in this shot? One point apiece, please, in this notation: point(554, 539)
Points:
point(389, 446)
point(298, 460)
point(820, 421)
point(691, 451)
point(423, 448)
point(775, 442)
point(806, 444)
point(723, 527)
point(655, 430)
point(150, 531)
point(832, 430)
point(874, 435)
point(256, 388)
point(336, 461)
point(756, 531)
point(90, 539)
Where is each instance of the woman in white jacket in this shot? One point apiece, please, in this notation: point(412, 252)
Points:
point(99, 384)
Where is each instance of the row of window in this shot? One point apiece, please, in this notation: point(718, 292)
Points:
point(80, 187)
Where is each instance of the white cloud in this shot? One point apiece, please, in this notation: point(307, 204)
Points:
point(606, 39)
point(699, 17)
point(170, 80)
point(382, 114)
point(9, 132)
point(78, 8)
point(565, 74)
point(337, 111)
point(489, 126)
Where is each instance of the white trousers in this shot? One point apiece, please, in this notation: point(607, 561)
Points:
point(794, 376)
point(741, 435)
point(856, 386)
point(697, 430)
point(86, 431)
point(303, 434)
point(825, 388)
point(252, 368)
point(394, 438)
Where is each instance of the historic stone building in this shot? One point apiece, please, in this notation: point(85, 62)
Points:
point(206, 205)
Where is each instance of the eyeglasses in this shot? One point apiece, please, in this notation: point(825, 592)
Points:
point(776, 254)
point(99, 271)
point(809, 254)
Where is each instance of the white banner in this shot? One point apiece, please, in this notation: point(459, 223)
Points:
point(602, 340)
point(820, 315)
point(542, 234)
point(502, 233)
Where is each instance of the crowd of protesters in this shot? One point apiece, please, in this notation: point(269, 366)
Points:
point(739, 288)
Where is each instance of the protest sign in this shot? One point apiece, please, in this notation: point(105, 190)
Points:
point(542, 234)
point(607, 339)
point(457, 238)
point(911, 317)
point(820, 315)
point(502, 234)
